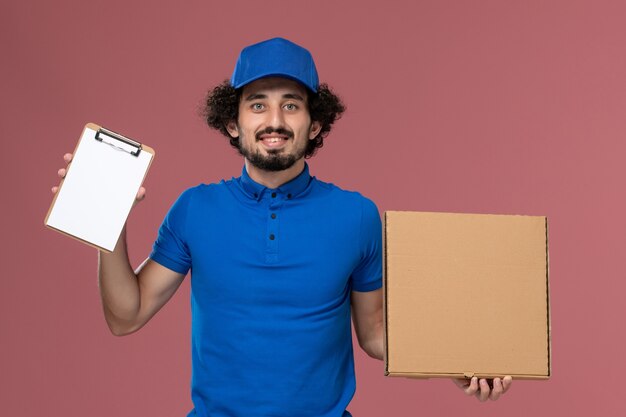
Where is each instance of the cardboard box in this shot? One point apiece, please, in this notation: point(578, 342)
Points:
point(466, 295)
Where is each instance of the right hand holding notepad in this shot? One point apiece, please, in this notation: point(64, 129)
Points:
point(141, 194)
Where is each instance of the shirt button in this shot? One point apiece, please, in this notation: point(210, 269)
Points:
point(273, 215)
point(288, 195)
point(273, 195)
point(272, 237)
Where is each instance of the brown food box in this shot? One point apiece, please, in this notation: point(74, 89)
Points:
point(466, 295)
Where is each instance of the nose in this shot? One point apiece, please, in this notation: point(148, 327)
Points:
point(276, 118)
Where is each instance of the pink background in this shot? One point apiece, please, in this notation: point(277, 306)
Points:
point(481, 106)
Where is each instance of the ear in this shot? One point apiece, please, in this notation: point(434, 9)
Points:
point(232, 129)
point(314, 130)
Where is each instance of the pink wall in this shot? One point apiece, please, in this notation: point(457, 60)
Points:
point(483, 106)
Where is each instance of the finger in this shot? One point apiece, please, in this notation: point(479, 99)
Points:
point(497, 389)
point(507, 381)
point(141, 194)
point(62, 172)
point(68, 157)
point(55, 189)
point(484, 390)
point(473, 387)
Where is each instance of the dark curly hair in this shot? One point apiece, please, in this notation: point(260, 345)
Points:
point(222, 106)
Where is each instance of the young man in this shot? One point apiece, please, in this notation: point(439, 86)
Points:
point(279, 259)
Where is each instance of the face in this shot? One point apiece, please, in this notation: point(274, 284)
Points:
point(274, 124)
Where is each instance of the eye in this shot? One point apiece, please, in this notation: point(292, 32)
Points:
point(291, 106)
point(257, 106)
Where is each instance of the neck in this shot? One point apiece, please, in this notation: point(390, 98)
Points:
point(274, 179)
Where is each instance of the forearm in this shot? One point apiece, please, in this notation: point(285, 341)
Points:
point(367, 315)
point(119, 289)
point(374, 344)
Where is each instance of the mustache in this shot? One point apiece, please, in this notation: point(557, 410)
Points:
point(279, 130)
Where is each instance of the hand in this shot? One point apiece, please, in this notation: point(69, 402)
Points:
point(485, 388)
point(141, 194)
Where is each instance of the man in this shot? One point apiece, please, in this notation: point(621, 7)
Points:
point(279, 259)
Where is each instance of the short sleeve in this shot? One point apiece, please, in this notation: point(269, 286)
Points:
point(367, 276)
point(170, 248)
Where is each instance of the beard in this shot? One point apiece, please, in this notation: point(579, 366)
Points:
point(276, 159)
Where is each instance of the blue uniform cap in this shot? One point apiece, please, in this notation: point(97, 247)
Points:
point(275, 57)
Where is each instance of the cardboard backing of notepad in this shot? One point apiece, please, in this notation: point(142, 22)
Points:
point(466, 295)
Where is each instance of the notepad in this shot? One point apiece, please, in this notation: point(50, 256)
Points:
point(99, 188)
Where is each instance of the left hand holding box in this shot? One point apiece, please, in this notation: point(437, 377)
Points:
point(484, 389)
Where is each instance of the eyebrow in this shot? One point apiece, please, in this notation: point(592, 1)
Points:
point(260, 96)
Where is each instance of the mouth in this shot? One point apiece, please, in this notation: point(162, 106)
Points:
point(273, 139)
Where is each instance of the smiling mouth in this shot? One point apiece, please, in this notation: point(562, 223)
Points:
point(273, 138)
point(273, 135)
point(273, 141)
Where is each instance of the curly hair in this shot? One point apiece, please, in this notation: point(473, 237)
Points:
point(222, 106)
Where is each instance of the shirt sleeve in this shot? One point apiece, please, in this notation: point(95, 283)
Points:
point(170, 248)
point(368, 274)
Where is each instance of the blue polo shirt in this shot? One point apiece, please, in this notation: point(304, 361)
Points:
point(271, 275)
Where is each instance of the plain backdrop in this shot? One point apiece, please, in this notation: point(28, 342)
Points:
point(483, 106)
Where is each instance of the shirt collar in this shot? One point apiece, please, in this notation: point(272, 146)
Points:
point(290, 189)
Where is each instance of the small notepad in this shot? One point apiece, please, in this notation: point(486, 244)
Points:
point(99, 188)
